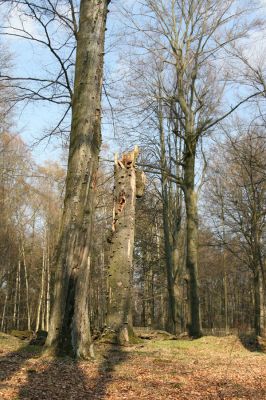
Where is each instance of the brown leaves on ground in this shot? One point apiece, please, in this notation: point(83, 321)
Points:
point(207, 368)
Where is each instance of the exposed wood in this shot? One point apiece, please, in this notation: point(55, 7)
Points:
point(122, 244)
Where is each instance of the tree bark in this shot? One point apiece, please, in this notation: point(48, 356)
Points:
point(16, 296)
point(194, 325)
point(26, 287)
point(171, 250)
point(69, 330)
point(258, 304)
point(48, 279)
point(4, 313)
point(39, 307)
point(121, 250)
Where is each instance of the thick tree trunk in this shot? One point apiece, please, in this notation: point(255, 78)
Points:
point(148, 293)
point(119, 318)
point(174, 304)
point(173, 323)
point(192, 245)
point(69, 329)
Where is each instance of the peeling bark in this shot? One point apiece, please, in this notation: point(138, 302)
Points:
point(122, 243)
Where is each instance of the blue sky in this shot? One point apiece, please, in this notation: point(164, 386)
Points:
point(33, 119)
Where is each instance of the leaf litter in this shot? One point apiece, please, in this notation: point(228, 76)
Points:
point(207, 368)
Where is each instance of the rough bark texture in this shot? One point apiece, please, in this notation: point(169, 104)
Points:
point(259, 311)
point(122, 245)
point(171, 249)
point(69, 328)
point(194, 325)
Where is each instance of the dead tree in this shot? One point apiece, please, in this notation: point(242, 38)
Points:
point(129, 184)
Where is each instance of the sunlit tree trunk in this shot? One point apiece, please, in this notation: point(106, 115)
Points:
point(41, 294)
point(194, 325)
point(171, 251)
point(121, 249)
point(18, 296)
point(258, 304)
point(26, 286)
point(4, 312)
point(48, 279)
point(69, 329)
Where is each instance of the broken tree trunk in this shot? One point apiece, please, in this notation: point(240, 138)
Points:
point(129, 184)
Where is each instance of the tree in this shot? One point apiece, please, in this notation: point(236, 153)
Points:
point(51, 27)
point(69, 326)
point(30, 203)
point(188, 38)
point(6, 92)
point(237, 195)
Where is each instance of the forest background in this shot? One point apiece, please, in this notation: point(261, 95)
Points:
point(141, 106)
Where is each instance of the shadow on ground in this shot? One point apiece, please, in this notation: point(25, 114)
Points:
point(11, 363)
point(252, 342)
point(61, 378)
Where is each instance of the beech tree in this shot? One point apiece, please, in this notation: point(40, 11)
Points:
point(189, 38)
point(69, 325)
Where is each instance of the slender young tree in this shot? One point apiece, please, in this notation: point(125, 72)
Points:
point(69, 326)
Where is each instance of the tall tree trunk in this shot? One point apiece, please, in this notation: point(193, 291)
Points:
point(69, 325)
point(148, 294)
point(225, 288)
point(192, 243)
point(174, 315)
point(4, 313)
point(121, 250)
point(19, 296)
point(258, 303)
point(26, 287)
point(173, 306)
point(48, 279)
point(16, 296)
point(41, 294)
point(262, 309)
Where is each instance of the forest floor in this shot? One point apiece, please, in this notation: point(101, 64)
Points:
point(206, 368)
